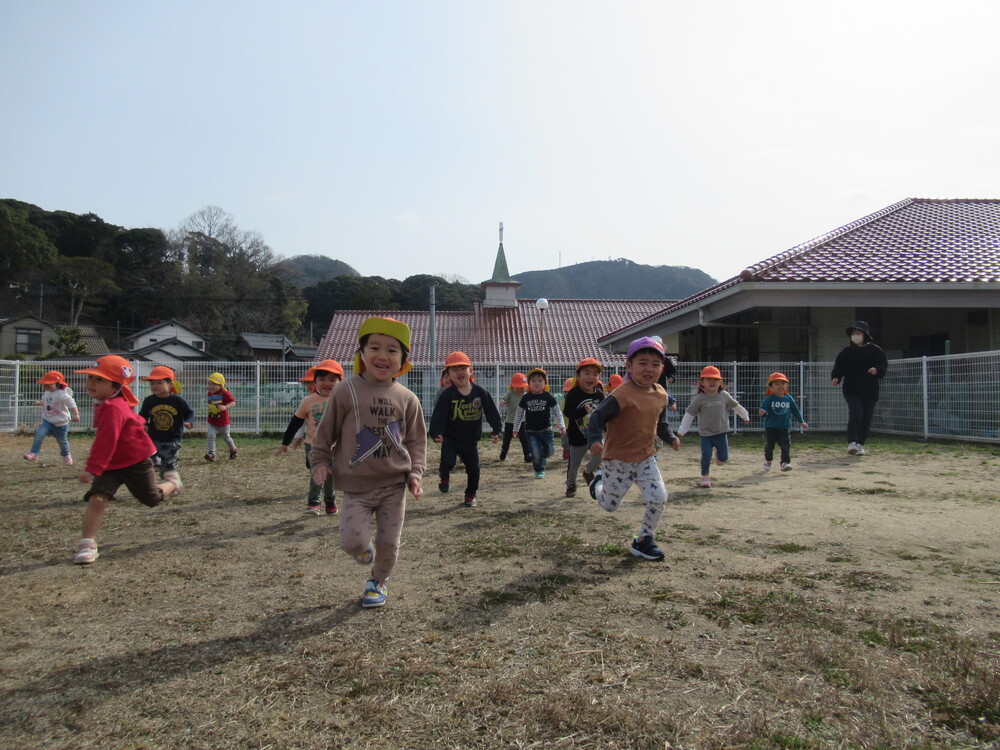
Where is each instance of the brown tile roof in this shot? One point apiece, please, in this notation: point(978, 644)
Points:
point(915, 240)
point(572, 327)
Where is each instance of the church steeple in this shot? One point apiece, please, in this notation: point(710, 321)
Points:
point(501, 289)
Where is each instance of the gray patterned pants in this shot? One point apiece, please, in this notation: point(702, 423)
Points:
point(618, 476)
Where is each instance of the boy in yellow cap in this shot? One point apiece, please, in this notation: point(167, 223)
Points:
point(166, 414)
point(457, 423)
point(220, 401)
point(538, 414)
point(120, 454)
point(373, 440)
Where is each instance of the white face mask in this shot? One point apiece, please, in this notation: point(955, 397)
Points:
point(857, 338)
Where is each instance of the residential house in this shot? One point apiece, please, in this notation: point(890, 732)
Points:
point(28, 336)
point(265, 347)
point(169, 341)
point(924, 273)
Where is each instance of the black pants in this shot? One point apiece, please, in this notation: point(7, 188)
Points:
point(469, 453)
point(508, 433)
point(860, 412)
point(779, 435)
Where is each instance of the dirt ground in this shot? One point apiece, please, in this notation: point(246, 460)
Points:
point(851, 602)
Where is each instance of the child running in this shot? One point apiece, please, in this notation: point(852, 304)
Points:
point(166, 415)
point(457, 423)
point(709, 405)
point(539, 413)
point(325, 377)
point(509, 403)
point(778, 409)
point(58, 407)
point(220, 401)
point(373, 440)
point(583, 397)
point(634, 415)
point(121, 452)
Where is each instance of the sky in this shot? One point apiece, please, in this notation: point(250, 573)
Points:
point(395, 136)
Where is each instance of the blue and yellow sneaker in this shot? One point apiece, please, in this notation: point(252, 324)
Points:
point(375, 594)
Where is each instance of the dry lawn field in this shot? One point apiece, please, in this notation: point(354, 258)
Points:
point(853, 602)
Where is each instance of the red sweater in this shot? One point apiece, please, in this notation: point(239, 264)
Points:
point(120, 438)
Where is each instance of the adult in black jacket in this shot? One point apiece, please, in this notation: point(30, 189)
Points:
point(858, 368)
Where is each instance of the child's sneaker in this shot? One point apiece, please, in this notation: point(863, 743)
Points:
point(646, 549)
point(588, 477)
point(443, 486)
point(210, 457)
point(706, 481)
point(592, 484)
point(571, 490)
point(375, 594)
point(86, 552)
point(766, 466)
point(68, 460)
point(470, 502)
point(331, 507)
point(313, 510)
point(860, 450)
point(852, 448)
point(565, 454)
point(367, 557)
point(539, 475)
point(786, 467)
point(232, 454)
point(174, 478)
point(30, 457)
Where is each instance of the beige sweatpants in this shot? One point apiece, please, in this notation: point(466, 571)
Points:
point(388, 505)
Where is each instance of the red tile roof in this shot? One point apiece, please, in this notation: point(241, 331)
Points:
point(572, 327)
point(915, 240)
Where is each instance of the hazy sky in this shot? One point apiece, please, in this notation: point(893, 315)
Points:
point(395, 135)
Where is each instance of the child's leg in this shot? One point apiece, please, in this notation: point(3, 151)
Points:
point(355, 522)
point(617, 477)
point(576, 455)
point(785, 441)
point(97, 503)
point(140, 479)
point(523, 439)
point(41, 432)
point(508, 433)
point(168, 451)
point(593, 462)
point(770, 438)
point(654, 493)
point(227, 438)
point(537, 450)
point(721, 448)
point(470, 457)
point(313, 495)
point(61, 433)
point(706, 455)
point(548, 446)
point(449, 456)
point(390, 511)
point(210, 434)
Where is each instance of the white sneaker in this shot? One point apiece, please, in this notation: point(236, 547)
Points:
point(786, 467)
point(86, 552)
point(766, 466)
point(706, 481)
point(852, 448)
point(860, 450)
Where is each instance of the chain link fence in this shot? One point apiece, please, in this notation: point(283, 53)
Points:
point(923, 397)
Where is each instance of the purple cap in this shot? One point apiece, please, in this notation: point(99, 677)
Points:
point(646, 342)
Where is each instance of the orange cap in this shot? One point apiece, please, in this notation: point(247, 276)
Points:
point(309, 377)
point(710, 372)
point(328, 365)
point(615, 380)
point(589, 362)
point(456, 359)
point(161, 373)
point(568, 385)
point(51, 378)
point(117, 370)
point(776, 376)
point(518, 380)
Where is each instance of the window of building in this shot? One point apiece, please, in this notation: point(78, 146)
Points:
point(28, 340)
point(198, 344)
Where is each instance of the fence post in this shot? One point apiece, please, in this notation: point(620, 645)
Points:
point(802, 392)
point(17, 396)
point(257, 366)
point(925, 389)
point(735, 391)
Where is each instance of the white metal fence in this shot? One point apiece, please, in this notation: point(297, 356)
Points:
point(956, 396)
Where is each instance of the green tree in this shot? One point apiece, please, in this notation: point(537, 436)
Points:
point(67, 343)
point(84, 280)
point(24, 248)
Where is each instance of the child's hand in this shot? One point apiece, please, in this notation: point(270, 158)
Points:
point(673, 406)
point(762, 412)
point(296, 444)
point(746, 421)
point(281, 449)
point(676, 445)
point(85, 477)
point(415, 486)
point(597, 448)
point(320, 473)
point(803, 425)
point(439, 438)
point(188, 425)
point(562, 430)
point(76, 417)
point(494, 439)
point(515, 436)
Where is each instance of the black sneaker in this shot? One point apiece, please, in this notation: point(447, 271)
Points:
point(646, 549)
point(571, 490)
point(588, 476)
point(210, 457)
point(443, 485)
point(232, 454)
point(592, 484)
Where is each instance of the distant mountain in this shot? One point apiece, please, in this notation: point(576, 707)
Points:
point(613, 279)
point(307, 270)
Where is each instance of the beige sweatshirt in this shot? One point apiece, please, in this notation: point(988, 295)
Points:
point(372, 434)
